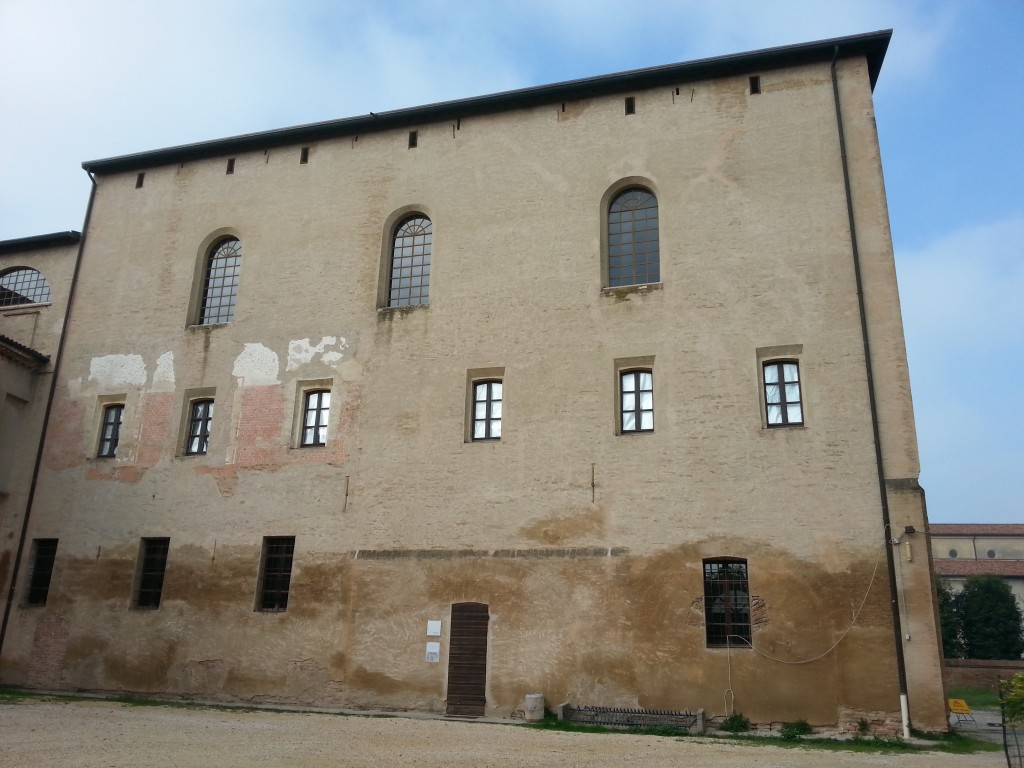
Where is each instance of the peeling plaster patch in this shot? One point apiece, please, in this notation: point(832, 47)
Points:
point(163, 376)
point(257, 366)
point(301, 351)
point(112, 371)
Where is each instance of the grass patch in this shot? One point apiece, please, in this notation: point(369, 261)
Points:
point(956, 743)
point(554, 724)
point(976, 696)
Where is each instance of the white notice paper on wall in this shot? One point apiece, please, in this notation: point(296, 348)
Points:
point(433, 652)
point(433, 629)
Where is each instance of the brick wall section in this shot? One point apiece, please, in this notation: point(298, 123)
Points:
point(980, 672)
point(259, 438)
point(157, 412)
point(48, 648)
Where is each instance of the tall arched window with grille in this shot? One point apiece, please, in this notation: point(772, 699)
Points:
point(220, 286)
point(633, 256)
point(409, 284)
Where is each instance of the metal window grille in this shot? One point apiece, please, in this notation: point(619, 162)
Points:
point(410, 263)
point(23, 286)
point(221, 286)
point(199, 423)
point(111, 431)
point(151, 573)
point(782, 394)
point(277, 572)
point(316, 413)
point(726, 602)
point(487, 410)
point(633, 257)
point(42, 570)
point(637, 400)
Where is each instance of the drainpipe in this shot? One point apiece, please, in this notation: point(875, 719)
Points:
point(46, 419)
point(897, 625)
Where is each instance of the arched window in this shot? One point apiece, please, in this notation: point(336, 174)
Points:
point(633, 238)
point(23, 285)
point(410, 263)
point(220, 286)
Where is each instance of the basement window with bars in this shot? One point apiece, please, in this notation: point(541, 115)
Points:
point(726, 603)
point(275, 573)
point(152, 564)
point(44, 552)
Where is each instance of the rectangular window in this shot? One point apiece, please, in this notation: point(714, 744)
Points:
point(110, 433)
point(755, 85)
point(630, 105)
point(200, 418)
point(413, 139)
point(315, 414)
point(231, 165)
point(153, 562)
point(782, 403)
point(487, 410)
point(636, 398)
point(140, 180)
point(276, 573)
point(304, 155)
point(44, 552)
point(726, 602)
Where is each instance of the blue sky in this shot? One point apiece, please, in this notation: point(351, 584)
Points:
point(87, 80)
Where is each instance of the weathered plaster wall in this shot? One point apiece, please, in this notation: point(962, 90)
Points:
point(586, 545)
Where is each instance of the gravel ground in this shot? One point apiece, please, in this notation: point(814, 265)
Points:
point(96, 733)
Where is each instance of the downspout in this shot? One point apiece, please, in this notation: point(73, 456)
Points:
point(46, 419)
point(897, 625)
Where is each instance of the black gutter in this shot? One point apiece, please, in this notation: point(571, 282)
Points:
point(39, 242)
point(80, 239)
point(897, 626)
point(872, 46)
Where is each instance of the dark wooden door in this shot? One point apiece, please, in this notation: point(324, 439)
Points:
point(467, 660)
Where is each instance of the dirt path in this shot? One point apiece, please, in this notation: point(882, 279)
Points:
point(90, 734)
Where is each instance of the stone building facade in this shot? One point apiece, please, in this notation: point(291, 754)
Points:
point(563, 391)
point(960, 550)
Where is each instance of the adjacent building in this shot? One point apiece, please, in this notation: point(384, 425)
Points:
point(980, 549)
point(596, 390)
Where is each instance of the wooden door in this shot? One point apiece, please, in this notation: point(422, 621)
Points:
point(467, 660)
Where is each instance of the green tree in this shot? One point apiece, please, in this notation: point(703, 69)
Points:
point(949, 621)
point(1012, 693)
point(990, 619)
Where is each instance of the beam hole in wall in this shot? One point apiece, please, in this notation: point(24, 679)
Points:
point(991, 554)
point(140, 180)
point(954, 554)
point(231, 165)
point(630, 105)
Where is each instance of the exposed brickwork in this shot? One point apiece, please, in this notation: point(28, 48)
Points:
point(48, 648)
point(156, 437)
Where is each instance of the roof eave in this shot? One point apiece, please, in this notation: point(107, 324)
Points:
point(40, 242)
point(872, 46)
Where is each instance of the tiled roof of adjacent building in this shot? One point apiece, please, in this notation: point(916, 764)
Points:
point(961, 567)
point(976, 529)
point(871, 45)
point(27, 356)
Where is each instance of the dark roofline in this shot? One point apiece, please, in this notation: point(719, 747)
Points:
point(38, 242)
point(872, 45)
